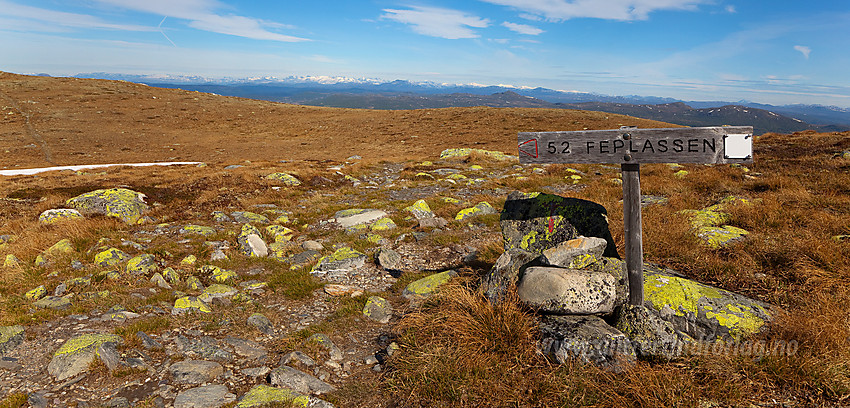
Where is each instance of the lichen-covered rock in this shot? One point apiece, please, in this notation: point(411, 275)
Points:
point(465, 152)
point(251, 242)
point(59, 215)
point(111, 257)
point(721, 237)
point(261, 323)
point(189, 260)
point(280, 233)
point(12, 261)
point(247, 217)
point(144, 264)
point(506, 272)
point(383, 224)
point(482, 208)
point(420, 209)
point(189, 304)
point(388, 259)
point(704, 312)
point(57, 250)
point(81, 281)
point(426, 286)
point(576, 253)
point(536, 222)
point(325, 342)
point(36, 293)
point(193, 283)
point(567, 291)
point(219, 216)
point(357, 216)
point(587, 338)
point(75, 356)
point(652, 337)
point(707, 218)
point(343, 258)
point(10, 337)
point(217, 291)
point(195, 371)
point(218, 274)
point(53, 302)
point(171, 276)
point(378, 309)
point(128, 205)
point(285, 178)
point(264, 395)
point(201, 230)
point(207, 396)
point(285, 376)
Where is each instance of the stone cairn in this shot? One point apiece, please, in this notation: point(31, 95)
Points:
point(561, 261)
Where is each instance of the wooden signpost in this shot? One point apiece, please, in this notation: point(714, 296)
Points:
point(629, 147)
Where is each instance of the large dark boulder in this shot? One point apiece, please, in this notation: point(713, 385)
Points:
point(536, 222)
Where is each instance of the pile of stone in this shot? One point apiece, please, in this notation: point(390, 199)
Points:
point(561, 262)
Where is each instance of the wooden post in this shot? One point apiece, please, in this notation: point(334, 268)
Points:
point(633, 231)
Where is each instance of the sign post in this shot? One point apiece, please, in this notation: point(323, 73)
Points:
point(629, 147)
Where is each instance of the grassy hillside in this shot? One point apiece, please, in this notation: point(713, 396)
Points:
point(453, 350)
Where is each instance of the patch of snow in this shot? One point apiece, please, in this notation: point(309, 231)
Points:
point(27, 172)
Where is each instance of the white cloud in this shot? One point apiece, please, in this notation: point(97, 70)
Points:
point(438, 22)
point(731, 9)
point(803, 50)
point(202, 16)
point(33, 18)
point(625, 10)
point(522, 28)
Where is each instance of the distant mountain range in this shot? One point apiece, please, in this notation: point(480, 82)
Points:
point(368, 93)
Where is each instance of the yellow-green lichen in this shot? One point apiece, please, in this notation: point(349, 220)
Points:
point(122, 203)
point(59, 215)
point(383, 224)
point(198, 230)
point(462, 153)
point(86, 341)
point(419, 209)
point(681, 295)
point(187, 303)
point(262, 395)
point(717, 238)
point(111, 257)
point(479, 209)
point(142, 265)
point(36, 293)
point(707, 218)
point(280, 233)
point(427, 285)
point(285, 178)
point(12, 261)
point(189, 260)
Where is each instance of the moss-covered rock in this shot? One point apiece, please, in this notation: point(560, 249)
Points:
point(77, 354)
point(285, 178)
point(59, 215)
point(128, 205)
point(426, 286)
point(536, 222)
point(111, 257)
point(53, 302)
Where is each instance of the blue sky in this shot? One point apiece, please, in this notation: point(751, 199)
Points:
point(778, 52)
